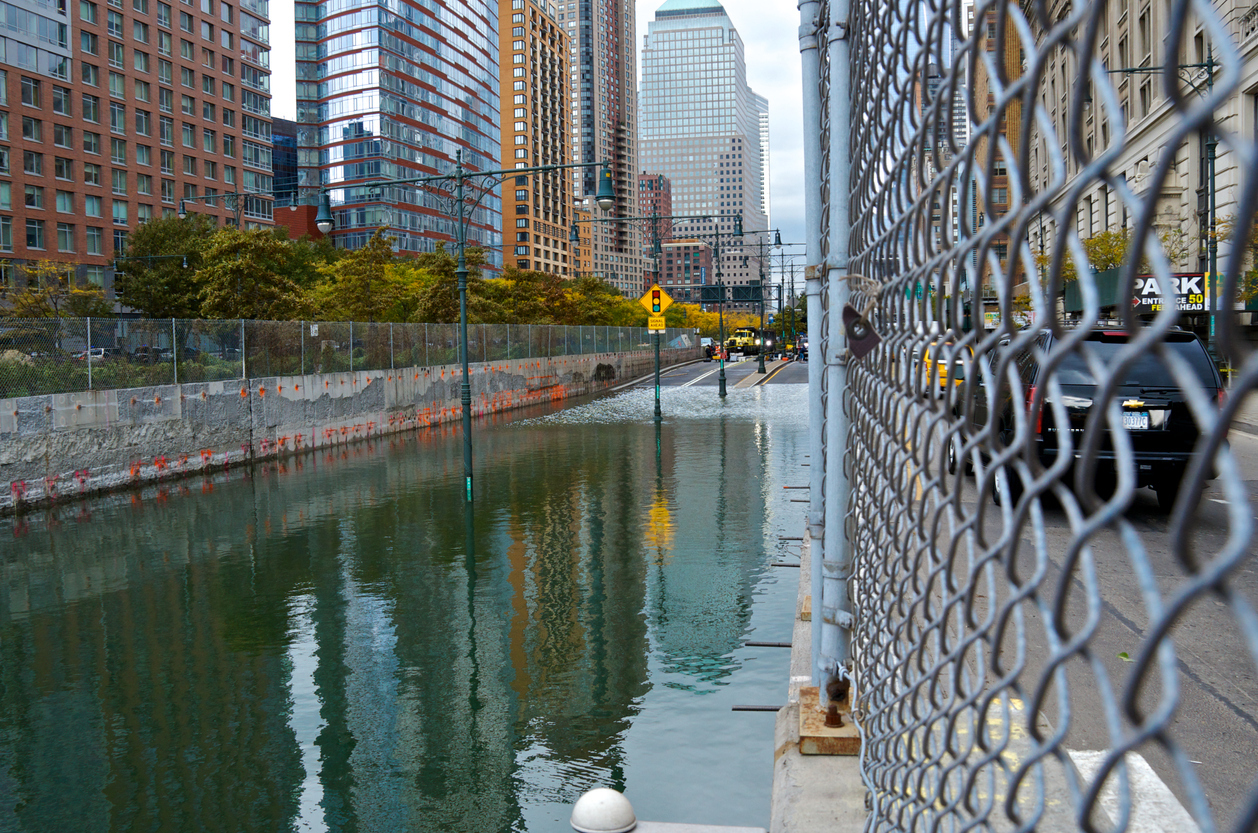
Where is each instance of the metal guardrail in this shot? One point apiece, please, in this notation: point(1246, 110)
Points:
point(64, 355)
point(953, 179)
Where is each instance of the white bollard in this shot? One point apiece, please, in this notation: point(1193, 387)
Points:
point(603, 810)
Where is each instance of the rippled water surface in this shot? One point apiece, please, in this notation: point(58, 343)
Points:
point(335, 644)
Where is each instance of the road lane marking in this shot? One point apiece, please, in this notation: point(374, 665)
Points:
point(698, 378)
point(1154, 808)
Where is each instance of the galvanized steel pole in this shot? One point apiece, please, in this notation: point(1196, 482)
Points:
point(836, 559)
point(810, 58)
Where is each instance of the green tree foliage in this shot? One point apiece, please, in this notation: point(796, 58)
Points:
point(307, 257)
point(50, 293)
point(359, 286)
point(431, 292)
point(246, 275)
point(157, 277)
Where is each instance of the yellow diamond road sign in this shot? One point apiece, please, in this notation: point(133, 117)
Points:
point(655, 300)
point(655, 323)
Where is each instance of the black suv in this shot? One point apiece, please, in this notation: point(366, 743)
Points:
point(1154, 409)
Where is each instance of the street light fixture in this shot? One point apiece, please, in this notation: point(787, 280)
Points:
point(323, 218)
point(605, 198)
point(237, 202)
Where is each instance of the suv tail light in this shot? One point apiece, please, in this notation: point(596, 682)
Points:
point(1039, 412)
point(1222, 397)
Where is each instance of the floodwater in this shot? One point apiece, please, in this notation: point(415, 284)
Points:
point(335, 644)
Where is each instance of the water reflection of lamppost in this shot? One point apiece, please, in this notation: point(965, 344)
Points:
point(487, 180)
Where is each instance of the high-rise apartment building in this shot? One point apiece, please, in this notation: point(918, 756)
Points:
point(112, 112)
point(704, 128)
point(604, 128)
point(394, 91)
point(537, 208)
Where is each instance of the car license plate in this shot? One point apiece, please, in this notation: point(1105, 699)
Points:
point(1136, 420)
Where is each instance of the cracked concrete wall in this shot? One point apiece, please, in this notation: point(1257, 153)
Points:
point(78, 443)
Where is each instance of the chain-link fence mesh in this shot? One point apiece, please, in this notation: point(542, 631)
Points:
point(64, 355)
point(1048, 541)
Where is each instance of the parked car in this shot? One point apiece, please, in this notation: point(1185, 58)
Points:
point(944, 364)
point(99, 354)
point(1155, 413)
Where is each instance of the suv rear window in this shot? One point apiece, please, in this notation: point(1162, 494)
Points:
point(1148, 370)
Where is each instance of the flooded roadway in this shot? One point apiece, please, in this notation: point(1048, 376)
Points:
point(335, 644)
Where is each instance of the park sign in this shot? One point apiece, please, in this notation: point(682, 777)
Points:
point(656, 301)
point(1188, 288)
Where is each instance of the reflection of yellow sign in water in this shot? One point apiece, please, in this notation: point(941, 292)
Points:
point(659, 525)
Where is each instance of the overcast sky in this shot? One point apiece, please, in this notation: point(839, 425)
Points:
point(769, 29)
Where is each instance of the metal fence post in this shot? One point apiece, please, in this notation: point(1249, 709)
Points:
point(243, 373)
point(351, 347)
point(89, 353)
point(426, 345)
point(390, 345)
point(174, 351)
point(836, 551)
point(302, 324)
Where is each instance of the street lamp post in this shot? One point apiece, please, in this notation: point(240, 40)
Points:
point(720, 287)
point(605, 198)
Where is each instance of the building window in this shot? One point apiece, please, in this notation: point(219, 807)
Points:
point(117, 55)
point(168, 162)
point(119, 181)
point(63, 168)
point(91, 205)
point(32, 129)
point(95, 240)
point(117, 118)
point(34, 196)
point(60, 100)
point(32, 163)
point(34, 234)
point(91, 174)
point(120, 213)
point(118, 151)
point(143, 155)
point(65, 202)
point(65, 237)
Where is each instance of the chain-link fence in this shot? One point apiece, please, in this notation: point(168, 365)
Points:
point(1037, 585)
point(64, 355)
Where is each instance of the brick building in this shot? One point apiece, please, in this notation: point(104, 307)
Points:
point(112, 112)
point(685, 265)
point(537, 209)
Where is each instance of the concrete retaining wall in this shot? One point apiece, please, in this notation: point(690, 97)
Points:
point(78, 443)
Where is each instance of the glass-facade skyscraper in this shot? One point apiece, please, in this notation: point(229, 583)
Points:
point(704, 128)
point(395, 90)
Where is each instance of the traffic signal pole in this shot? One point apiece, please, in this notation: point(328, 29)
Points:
point(657, 308)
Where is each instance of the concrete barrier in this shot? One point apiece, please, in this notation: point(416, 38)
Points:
point(70, 444)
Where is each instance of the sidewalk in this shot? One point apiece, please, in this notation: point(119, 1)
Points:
point(1246, 419)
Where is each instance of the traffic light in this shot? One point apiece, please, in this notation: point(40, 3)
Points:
point(655, 300)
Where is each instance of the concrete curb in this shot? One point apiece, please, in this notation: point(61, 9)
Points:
point(810, 792)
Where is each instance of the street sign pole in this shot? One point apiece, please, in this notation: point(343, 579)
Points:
point(656, 301)
point(658, 415)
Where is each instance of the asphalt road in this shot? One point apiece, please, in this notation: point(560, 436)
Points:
point(739, 371)
point(1215, 710)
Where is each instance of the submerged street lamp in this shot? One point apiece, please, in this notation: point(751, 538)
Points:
point(605, 198)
